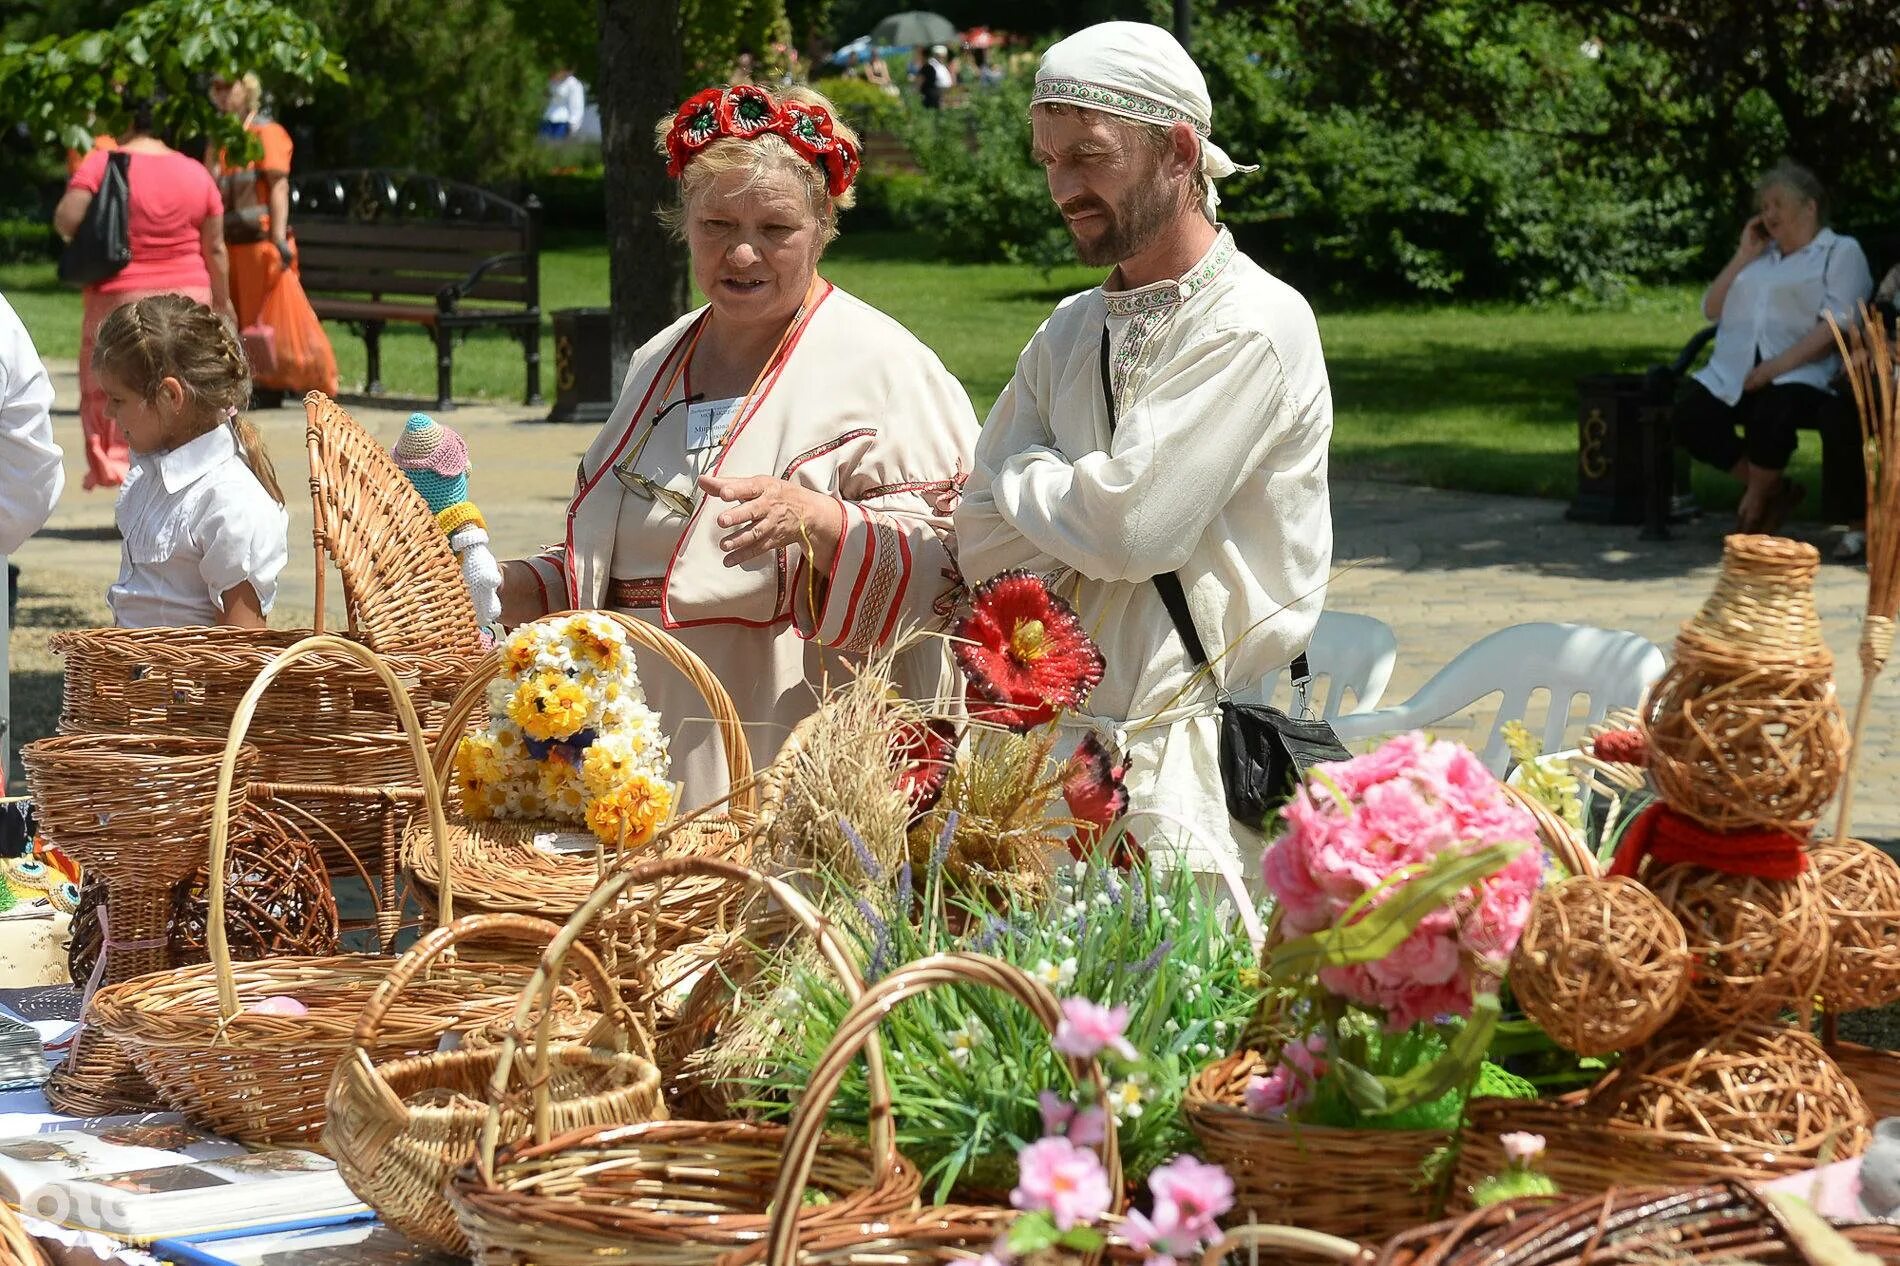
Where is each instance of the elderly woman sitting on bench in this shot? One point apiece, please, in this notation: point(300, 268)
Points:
point(1774, 354)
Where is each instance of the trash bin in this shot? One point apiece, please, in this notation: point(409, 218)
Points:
point(583, 365)
point(1616, 452)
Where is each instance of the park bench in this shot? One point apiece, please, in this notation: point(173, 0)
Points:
point(376, 246)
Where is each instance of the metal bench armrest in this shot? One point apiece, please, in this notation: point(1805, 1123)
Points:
point(452, 294)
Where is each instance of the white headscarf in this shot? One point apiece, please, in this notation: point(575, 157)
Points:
point(1139, 72)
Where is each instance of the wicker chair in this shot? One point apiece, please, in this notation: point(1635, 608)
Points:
point(402, 585)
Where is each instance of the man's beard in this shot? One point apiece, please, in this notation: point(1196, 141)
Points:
point(1131, 227)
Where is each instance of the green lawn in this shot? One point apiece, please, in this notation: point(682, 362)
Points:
point(1472, 396)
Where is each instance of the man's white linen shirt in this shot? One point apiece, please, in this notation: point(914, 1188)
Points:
point(1216, 469)
point(1775, 301)
point(31, 475)
point(196, 523)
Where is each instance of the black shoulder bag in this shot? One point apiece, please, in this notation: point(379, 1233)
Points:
point(103, 244)
point(1264, 753)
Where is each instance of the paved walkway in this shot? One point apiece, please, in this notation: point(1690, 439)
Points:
point(1442, 568)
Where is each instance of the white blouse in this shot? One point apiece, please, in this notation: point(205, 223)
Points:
point(196, 522)
point(1775, 302)
point(30, 472)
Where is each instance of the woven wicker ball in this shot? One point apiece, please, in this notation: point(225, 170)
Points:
point(1602, 964)
point(1758, 1088)
point(1861, 888)
point(278, 901)
point(1745, 730)
point(1756, 946)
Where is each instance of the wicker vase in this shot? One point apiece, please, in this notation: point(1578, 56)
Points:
point(1744, 729)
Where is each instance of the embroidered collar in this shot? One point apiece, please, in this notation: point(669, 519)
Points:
point(1168, 292)
point(180, 467)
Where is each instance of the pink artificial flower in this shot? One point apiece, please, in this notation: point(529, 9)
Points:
point(1276, 1095)
point(1521, 1147)
point(1192, 1194)
point(1086, 1127)
point(1087, 1028)
point(1067, 1182)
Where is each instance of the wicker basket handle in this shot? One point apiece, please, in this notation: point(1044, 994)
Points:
point(1254, 1237)
point(859, 1027)
point(883, 1135)
point(322, 643)
point(1556, 835)
point(744, 793)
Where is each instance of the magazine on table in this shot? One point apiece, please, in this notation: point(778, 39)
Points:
point(140, 1180)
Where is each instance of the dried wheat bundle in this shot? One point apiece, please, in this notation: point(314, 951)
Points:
point(1872, 359)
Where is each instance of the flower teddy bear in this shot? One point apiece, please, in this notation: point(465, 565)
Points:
point(436, 461)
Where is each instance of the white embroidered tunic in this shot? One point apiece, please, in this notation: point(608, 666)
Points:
point(1216, 470)
point(195, 522)
point(31, 475)
point(856, 408)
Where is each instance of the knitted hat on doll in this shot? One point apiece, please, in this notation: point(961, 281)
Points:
point(436, 461)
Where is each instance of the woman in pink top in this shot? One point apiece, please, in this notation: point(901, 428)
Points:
point(177, 233)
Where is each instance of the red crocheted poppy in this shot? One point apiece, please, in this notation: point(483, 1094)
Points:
point(923, 753)
point(1097, 796)
point(746, 112)
point(695, 125)
point(1024, 653)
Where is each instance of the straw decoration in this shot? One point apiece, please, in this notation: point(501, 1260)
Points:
point(1871, 358)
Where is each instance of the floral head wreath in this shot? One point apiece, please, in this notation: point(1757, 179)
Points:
point(745, 112)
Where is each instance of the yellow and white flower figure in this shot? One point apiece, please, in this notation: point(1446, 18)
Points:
point(571, 737)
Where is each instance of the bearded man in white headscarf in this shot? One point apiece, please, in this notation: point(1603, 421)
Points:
point(1210, 468)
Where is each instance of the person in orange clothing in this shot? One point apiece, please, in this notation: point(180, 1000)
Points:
point(74, 157)
point(283, 337)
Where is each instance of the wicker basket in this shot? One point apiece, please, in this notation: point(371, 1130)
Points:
point(332, 755)
point(1875, 1073)
point(498, 868)
point(679, 1193)
point(1360, 1183)
point(258, 1076)
point(399, 1130)
point(1730, 1222)
point(17, 1248)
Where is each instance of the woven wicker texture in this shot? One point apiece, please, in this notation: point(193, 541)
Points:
point(803, 1140)
point(398, 1130)
point(1360, 1183)
point(401, 580)
point(17, 1248)
point(1758, 945)
point(260, 1076)
point(1601, 965)
point(1730, 1224)
point(1744, 729)
point(1875, 1073)
point(680, 1193)
point(329, 744)
point(1861, 888)
point(1763, 1089)
point(497, 867)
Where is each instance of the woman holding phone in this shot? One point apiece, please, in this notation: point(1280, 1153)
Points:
point(1774, 357)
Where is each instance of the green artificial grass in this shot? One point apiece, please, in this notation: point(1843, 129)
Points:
point(1473, 396)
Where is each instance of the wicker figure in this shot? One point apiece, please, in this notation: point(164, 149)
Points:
point(1758, 945)
point(1861, 888)
point(436, 461)
point(1602, 964)
point(1744, 730)
point(1761, 1090)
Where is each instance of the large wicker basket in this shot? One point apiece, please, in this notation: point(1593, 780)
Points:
point(497, 868)
point(678, 1193)
point(398, 1130)
point(261, 1075)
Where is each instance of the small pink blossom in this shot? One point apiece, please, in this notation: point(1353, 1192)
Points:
point(1088, 1028)
point(1277, 1094)
point(1085, 1127)
point(1067, 1182)
point(1189, 1199)
point(1521, 1147)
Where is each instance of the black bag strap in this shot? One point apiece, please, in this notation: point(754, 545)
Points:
point(1173, 596)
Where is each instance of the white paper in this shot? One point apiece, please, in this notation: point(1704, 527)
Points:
point(710, 421)
point(564, 842)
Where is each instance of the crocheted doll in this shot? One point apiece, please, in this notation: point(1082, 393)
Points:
point(436, 461)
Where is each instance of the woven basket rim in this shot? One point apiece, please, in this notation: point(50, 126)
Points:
point(1198, 1098)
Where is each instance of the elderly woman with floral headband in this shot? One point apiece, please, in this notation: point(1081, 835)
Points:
point(776, 482)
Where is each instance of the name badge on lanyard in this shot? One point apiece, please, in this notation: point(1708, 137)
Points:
point(709, 422)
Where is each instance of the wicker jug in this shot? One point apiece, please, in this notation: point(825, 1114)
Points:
point(1745, 730)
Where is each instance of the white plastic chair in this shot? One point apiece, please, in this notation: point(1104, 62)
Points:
point(1350, 655)
point(1608, 667)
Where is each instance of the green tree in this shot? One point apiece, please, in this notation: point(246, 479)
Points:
point(163, 53)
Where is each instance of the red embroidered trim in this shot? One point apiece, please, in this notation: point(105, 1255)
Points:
point(639, 594)
point(864, 574)
point(829, 446)
point(903, 585)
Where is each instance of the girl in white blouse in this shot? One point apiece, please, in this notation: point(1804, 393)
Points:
point(201, 514)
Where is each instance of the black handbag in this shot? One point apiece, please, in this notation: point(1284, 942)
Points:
point(103, 244)
point(1264, 753)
